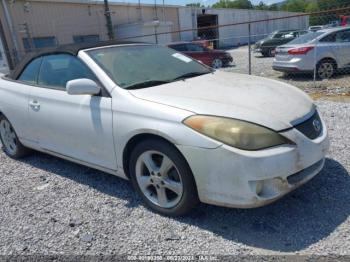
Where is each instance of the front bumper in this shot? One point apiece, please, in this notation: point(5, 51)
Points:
point(257, 50)
point(230, 177)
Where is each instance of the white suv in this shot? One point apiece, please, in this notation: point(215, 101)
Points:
point(327, 51)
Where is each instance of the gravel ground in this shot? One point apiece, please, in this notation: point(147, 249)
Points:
point(262, 66)
point(51, 206)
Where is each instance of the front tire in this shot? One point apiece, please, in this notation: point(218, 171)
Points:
point(162, 177)
point(9, 140)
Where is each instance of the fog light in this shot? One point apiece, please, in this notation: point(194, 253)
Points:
point(259, 187)
point(256, 186)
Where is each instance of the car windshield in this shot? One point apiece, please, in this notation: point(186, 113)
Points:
point(275, 34)
point(140, 66)
point(307, 38)
point(279, 34)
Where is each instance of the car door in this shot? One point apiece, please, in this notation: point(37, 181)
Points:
point(14, 97)
point(75, 126)
point(342, 40)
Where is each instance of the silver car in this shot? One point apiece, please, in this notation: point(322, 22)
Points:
point(326, 51)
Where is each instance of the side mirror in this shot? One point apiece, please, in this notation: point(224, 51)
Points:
point(82, 86)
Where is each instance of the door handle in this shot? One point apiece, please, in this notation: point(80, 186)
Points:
point(34, 104)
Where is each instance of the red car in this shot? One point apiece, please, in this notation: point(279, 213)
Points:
point(213, 58)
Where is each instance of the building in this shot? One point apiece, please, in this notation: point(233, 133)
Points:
point(29, 24)
point(43, 23)
point(237, 33)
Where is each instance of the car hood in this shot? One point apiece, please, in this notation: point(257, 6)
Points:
point(259, 100)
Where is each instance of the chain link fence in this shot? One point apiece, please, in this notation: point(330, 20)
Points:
point(308, 50)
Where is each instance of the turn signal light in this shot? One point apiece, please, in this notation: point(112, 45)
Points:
point(300, 50)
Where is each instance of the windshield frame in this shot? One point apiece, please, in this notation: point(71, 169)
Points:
point(111, 78)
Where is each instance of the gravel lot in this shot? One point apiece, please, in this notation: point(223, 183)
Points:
point(50, 206)
point(262, 66)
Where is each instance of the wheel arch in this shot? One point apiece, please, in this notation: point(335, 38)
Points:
point(138, 138)
point(329, 58)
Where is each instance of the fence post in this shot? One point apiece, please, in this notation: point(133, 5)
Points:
point(249, 49)
point(315, 65)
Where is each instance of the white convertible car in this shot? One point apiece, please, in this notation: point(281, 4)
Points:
point(181, 132)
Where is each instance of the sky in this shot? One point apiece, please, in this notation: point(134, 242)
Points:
point(184, 2)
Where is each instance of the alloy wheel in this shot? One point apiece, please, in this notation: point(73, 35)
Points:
point(217, 63)
point(325, 70)
point(8, 137)
point(159, 179)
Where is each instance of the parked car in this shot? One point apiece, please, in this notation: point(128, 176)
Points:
point(344, 20)
point(316, 27)
point(203, 42)
point(214, 58)
point(180, 131)
point(268, 45)
point(327, 51)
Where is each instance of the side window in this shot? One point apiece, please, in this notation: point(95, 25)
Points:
point(195, 48)
point(180, 48)
point(30, 72)
point(57, 70)
point(343, 37)
point(329, 38)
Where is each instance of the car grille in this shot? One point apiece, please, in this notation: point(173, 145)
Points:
point(312, 128)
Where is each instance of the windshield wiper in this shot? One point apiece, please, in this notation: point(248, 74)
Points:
point(147, 83)
point(153, 82)
point(189, 75)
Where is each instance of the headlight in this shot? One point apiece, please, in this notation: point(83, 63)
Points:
point(236, 133)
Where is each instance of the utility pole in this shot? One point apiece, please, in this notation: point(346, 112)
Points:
point(140, 11)
point(26, 31)
point(155, 10)
point(11, 28)
point(109, 21)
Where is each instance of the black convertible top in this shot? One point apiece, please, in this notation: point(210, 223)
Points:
point(72, 49)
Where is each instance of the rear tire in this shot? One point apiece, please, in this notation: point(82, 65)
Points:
point(326, 69)
point(268, 52)
point(217, 63)
point(271, 52)
point(265, 54)
point(162, 177)
point(9, 140)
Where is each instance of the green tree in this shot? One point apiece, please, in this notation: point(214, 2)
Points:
point(195, 5)
point(294, 5)
point(310, 8)
point(237, 4)
point(274, 7)
point(261, 6)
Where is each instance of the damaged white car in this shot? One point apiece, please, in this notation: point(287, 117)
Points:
point(181, 132)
